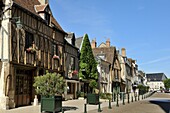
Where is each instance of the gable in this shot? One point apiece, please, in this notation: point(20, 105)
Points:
point(29, 5)
point(102, 44)
point(109, 53)
point(116, 64)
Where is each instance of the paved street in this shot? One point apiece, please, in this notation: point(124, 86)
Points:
point(157, 103)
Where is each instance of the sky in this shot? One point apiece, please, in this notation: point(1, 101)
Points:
point(140, 26)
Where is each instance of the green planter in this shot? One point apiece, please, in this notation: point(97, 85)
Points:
point(51, 104)
point(92, 98)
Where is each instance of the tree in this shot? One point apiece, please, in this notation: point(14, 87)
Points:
point(87, 61)
point(167, 83)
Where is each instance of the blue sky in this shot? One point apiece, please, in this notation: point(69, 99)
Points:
point(141, 26)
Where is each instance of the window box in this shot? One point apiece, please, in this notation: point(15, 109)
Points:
point(56, 57)
point(31, 50)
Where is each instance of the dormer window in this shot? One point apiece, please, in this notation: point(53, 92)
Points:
point(44, 11)
point(47, 18)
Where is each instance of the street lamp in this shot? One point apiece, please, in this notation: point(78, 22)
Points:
point(116, 83)
point(18, 22)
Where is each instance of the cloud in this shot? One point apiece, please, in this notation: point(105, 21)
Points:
point(156, 60)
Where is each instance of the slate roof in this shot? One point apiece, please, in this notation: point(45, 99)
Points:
point(79, 42)
point(156, 77)
point(108, 51)
point(30, 6)
point(70, 38)
point(70, 35)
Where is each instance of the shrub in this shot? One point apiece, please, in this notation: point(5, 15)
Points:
point(49, 84)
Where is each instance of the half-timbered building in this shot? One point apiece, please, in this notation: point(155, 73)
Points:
point(31, 42)
point(108, 53)
point(71, 67)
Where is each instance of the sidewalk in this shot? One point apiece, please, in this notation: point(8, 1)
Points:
point(74, 106)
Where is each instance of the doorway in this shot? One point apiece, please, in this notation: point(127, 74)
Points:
point(23, 90)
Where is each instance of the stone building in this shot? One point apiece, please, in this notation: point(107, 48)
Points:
point(31, 42)
point(125, 69)
point(135, 81)
point(103, 68)
point(108, 53)
point(141, 78)
point(155, 81)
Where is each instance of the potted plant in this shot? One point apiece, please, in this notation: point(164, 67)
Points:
point(93, 98)
point(50, 86)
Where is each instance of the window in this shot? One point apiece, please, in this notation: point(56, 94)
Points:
point(47, 18)
point(29, 39)
point(72, 63)
point(54, 49)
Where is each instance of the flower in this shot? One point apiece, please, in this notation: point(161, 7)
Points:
point(75, 72)
point(30, 49)
point(56, 57)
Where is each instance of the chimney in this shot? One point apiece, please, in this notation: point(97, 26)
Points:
point(93, 44)
point(43, 2)
point(123, 52)
point(108, 42)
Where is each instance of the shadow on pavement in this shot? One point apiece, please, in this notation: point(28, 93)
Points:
point(68, 108)
point(163, 103)
point(65, 108)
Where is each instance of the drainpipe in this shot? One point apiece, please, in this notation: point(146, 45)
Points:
point(2, 43)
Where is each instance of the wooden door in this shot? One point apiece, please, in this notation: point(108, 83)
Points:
point(23, 89)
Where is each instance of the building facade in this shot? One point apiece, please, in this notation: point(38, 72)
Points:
point(108, 53)
point(103, 68)
point(31, 42)
point(71, 57)
point(155, 81)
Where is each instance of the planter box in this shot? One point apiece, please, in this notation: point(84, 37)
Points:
point(93, 99)
point(51, 104)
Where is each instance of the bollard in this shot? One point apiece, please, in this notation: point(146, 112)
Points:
point(62, 110)
point(117, 101)
point(138, 97)
point(112, 96)
point(135, 98)
point(128, 97)
point(85, 108)
point(142, 97)
point(110, 107)
point(132, 98)
point(99, 108)
point(123, 99)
